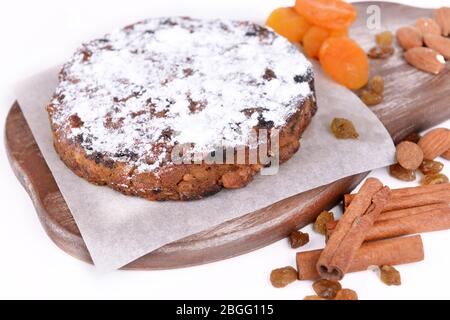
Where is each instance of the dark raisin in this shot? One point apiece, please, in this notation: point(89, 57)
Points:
point(300, 78)
point(269, 74)
point(188, 72)
point(75, 121)
point(298, 239)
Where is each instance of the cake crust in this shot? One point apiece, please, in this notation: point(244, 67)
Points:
point(127, 144)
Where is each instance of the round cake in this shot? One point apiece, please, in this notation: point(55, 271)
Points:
point(126, 104)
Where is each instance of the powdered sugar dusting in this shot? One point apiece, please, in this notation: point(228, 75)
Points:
point(145, 88)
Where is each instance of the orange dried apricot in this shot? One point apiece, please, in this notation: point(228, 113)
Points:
point(345, 61)
point(313, 40)
point(315, 36)
point(288, 23)
point(339, 32)
point(331, 14)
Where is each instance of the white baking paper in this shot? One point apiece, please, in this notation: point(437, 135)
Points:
point(118, 229)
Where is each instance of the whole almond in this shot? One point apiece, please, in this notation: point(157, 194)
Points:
point(409, 37)
point(428, 25)
point(446, 154)
point(409, 155)
point(435, 143)
point(425, 59)
point(442, 17)
point(438, 43)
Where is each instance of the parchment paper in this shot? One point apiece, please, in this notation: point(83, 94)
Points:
point(118, 229)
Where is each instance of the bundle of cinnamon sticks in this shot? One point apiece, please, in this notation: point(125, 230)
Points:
point(370, 229)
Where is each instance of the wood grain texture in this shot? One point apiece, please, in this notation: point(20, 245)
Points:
point(414, 101)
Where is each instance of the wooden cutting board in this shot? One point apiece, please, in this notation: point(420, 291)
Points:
point(414, 101)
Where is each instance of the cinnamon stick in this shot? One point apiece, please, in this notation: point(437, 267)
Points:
point(432, 220)
point(388, 215)
point(350, 232)
point(422, 193)
point(384, 252)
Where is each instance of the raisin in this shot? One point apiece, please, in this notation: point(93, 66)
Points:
point(431, 167)
point(188, 72)
point(397, 171)
point(283, 276)
point(390, 276)
point(381, 52)
point(326, 289)
point(313, 298)
point(430, 179)
point(413, 137)
point(371, 98)
point(75, 121)
point(343, 129)
point(346, 294)
point(298, 239)
point(269, 74)
point(376, 85)
point(384, 39)
point(322, 220)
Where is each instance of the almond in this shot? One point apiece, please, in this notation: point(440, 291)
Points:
point(428, 25)
point(446, 154)
point(409, 155)
point(438, 43)
point(435, 143)
point(409, 37)
point(442, 17)
point(425, 59)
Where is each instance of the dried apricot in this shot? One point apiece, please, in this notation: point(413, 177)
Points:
point(331, 14)
point(288, 23)
point(339, 32)
point(313, 40)
point(345, 61)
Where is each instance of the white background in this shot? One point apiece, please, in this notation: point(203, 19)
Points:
point(35, 35)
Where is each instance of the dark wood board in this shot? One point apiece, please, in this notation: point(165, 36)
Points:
point(414, 101)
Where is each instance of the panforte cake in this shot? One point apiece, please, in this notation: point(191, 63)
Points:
point(126, 101)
